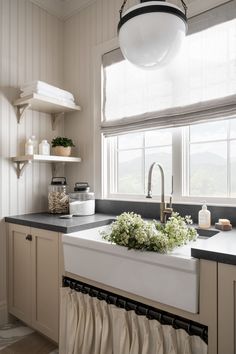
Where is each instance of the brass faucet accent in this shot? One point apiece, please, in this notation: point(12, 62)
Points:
point(165, 211)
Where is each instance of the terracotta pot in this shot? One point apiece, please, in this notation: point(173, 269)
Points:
point(61, 151)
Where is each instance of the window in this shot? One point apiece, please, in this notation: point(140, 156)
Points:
point(133, 154)
point(212, 159)
point(207, 163)
point(200, 154)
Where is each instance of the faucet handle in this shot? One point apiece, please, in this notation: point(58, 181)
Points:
point(167, 213)
point(168, 210)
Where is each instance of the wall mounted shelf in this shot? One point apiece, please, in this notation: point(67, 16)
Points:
point(45, 104)
point(23, 161)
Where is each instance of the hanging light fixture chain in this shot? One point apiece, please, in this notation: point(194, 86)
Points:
point(122, 8)
point(185, 7)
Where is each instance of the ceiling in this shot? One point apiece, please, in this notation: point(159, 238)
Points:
point(63, 9)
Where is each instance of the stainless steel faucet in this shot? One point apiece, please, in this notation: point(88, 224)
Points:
point(165, 211)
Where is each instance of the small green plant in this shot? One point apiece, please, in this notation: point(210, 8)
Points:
point(60, 141)
point(131, 231)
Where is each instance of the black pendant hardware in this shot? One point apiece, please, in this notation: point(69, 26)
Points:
point(29, 238)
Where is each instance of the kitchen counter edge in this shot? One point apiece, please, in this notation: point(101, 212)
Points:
point(219, 248)
point(50, 222)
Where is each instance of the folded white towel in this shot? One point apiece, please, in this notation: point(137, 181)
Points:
point(46, 93)
point(50, 95)
point(35, 86)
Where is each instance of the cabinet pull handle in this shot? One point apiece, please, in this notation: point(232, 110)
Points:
point(29, 237)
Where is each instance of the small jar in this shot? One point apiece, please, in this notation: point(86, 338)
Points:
point(29, 147)
point(35, 144)
point(58, 200)
point(44, 148)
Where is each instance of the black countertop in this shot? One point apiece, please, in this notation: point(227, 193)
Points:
point(220, 248)
point(55, 223)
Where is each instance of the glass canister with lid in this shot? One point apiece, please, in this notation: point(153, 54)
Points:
point(58, 200)
point(82, 201)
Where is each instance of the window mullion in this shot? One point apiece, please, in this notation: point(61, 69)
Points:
point(228, 161)
point(116, 165)
point(177, 163)
point(144, 161)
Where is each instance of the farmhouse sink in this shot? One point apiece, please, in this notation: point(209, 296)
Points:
point(172, 279)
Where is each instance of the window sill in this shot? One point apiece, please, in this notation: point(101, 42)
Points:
point(221, 202)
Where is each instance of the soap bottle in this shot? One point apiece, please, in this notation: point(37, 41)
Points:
point(204, 217)
point(44, 148)
point(29, 147)
point(35, 144)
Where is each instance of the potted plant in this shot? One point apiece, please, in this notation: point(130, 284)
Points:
point(62, 146)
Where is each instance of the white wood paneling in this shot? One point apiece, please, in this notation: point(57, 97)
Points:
point(31, 46)
point(92, 26)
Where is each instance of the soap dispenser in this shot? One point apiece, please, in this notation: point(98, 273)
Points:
point(204, 217)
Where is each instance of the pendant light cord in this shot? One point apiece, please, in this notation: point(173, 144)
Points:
point(122, 8)
point(185, 7)
point(125, 1)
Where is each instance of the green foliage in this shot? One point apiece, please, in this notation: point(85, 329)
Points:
point(131, 231)
point(60, 141)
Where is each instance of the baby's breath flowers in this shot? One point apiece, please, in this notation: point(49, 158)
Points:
point(131, 231)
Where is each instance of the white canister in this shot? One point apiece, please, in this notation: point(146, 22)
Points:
point(29, 147)
point(44, 148)
point(82, 201)
point(35, 144)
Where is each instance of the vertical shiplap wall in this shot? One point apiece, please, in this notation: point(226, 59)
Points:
point(31, 47)
point(89, 28)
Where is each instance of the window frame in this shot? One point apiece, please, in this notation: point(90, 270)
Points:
point(180, 157)
point(102, 153)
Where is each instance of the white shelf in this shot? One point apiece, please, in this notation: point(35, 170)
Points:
point(45, 104)
point(24, 160)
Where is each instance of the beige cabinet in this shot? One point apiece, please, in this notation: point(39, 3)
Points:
point(226, 309)
point(34, 277)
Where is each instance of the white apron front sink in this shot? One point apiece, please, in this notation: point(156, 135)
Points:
point(172, 279)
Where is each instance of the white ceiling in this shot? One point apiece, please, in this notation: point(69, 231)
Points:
point(63, 9)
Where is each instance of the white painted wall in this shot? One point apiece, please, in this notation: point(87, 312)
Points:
point(31, 47)
point(84, 31)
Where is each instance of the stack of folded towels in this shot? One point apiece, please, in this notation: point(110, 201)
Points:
point(44, 89)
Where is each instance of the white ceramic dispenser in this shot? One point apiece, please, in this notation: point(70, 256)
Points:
point(29, 147)
point(44, 148)
point(204, 217)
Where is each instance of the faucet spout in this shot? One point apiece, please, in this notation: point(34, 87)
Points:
point(164, 211)
point(149, 195)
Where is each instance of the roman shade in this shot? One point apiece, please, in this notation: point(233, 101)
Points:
point(199, 86)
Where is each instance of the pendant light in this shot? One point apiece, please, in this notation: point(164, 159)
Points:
point(151, 33)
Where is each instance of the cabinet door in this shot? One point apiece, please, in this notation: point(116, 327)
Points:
point(45, 279)
point(19, 272)
point(226, 309)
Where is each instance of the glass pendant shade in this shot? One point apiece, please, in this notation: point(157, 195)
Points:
point(151, 33)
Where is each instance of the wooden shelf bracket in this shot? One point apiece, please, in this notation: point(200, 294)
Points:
point(20, 167)
point(21, 110)
point(55, 118)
